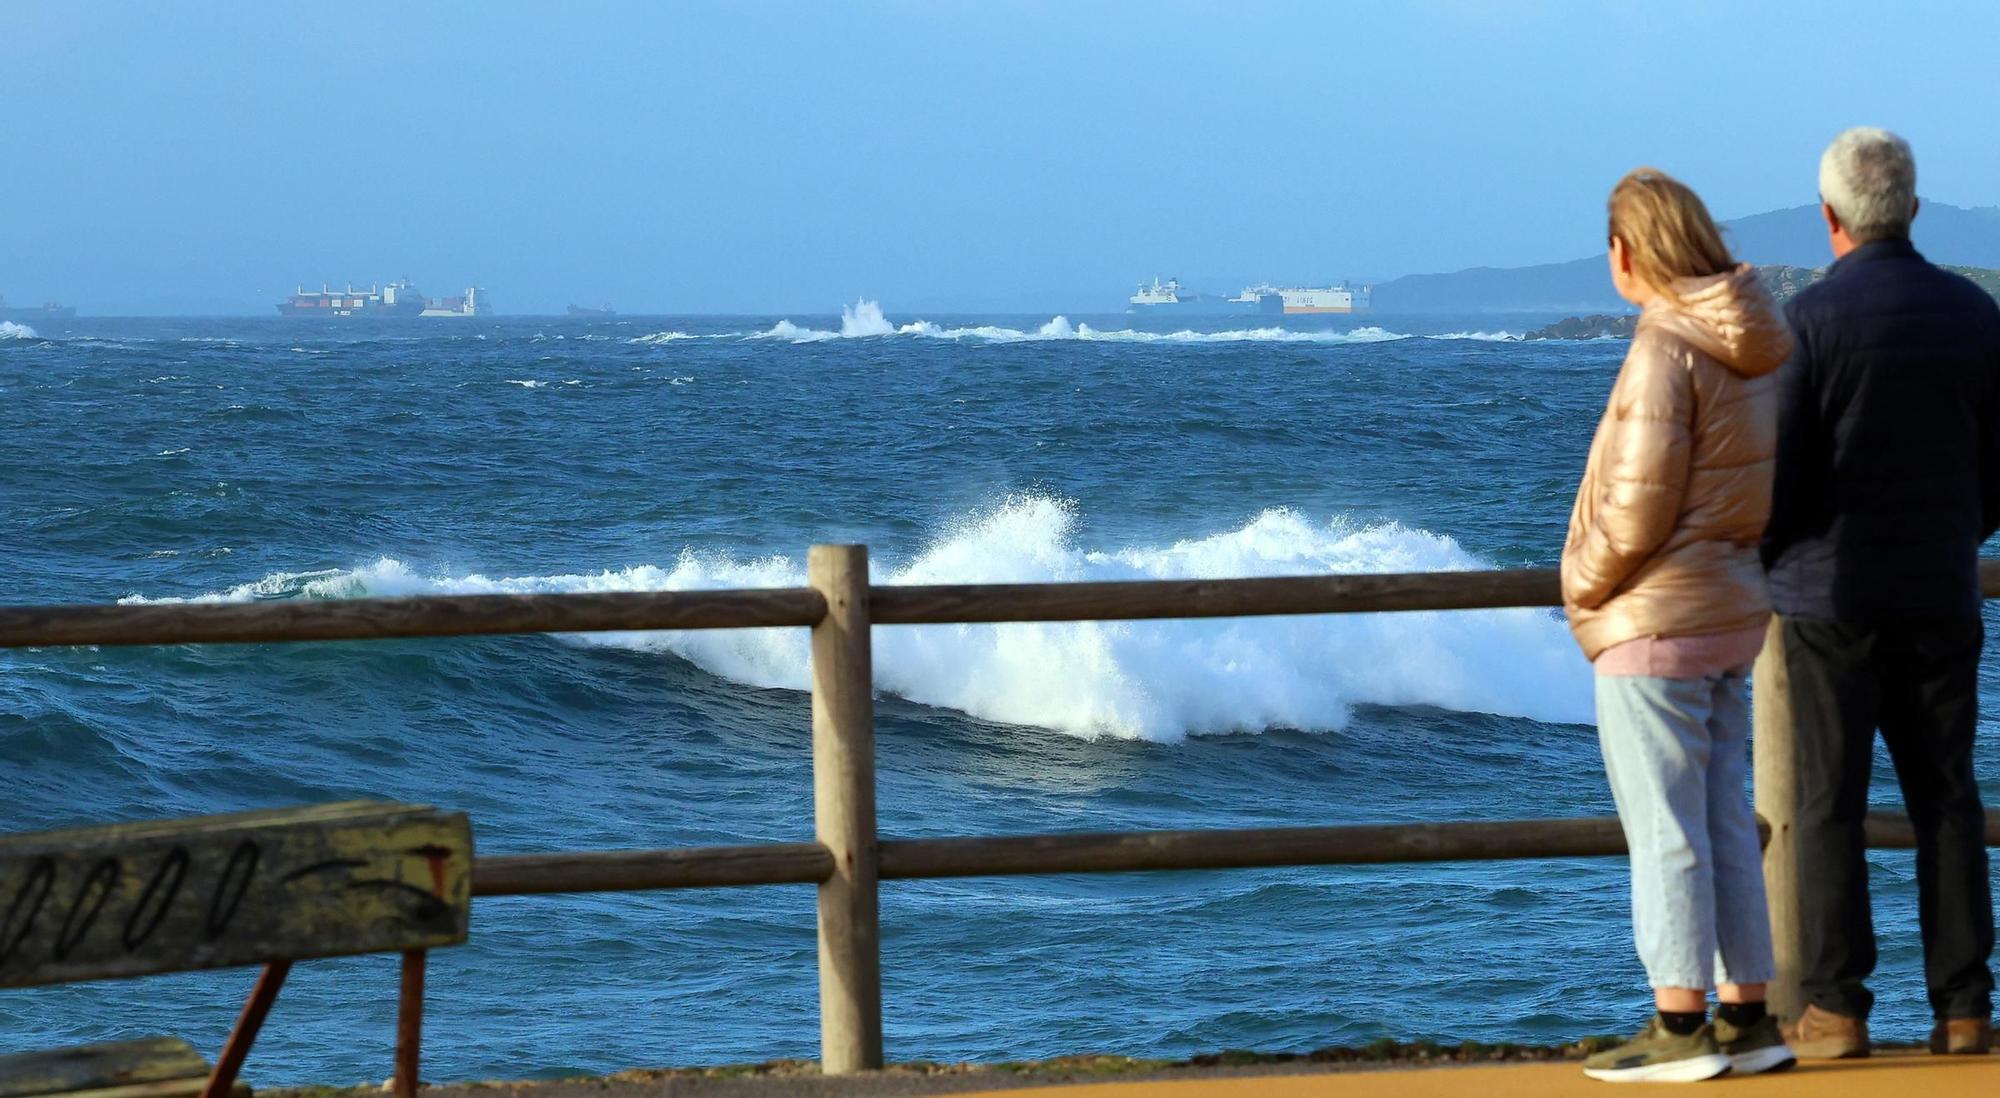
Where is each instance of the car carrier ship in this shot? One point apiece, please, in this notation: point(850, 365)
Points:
point(397, 299)
point(1261, 299)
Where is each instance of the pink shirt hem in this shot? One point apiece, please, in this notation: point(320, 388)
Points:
point(1683, 657)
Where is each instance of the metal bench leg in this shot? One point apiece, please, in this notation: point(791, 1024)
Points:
point(410, 1024)
point(255, 1010)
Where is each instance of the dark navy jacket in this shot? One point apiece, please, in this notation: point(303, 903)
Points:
point(1888, 473)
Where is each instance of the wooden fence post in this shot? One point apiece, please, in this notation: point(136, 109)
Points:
point(1776, 780)
point(843, 719)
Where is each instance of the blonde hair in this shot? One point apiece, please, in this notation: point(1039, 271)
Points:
point(1667, 232)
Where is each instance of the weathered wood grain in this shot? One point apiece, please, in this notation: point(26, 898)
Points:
point(843, 730)
point(1774, 749)
point(165, 1088)
point(217, 891)
point(95, 1067)
point(421, 616)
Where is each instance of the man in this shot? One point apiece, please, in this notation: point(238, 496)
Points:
point(1888, 480)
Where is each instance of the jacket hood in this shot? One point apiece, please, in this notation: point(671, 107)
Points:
point(1730, 317)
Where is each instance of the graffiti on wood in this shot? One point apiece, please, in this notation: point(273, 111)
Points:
point(217, 891)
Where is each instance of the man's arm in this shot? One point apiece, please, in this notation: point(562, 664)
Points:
point(1989, 436)
point(1800, 477)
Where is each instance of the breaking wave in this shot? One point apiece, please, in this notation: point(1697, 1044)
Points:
point(11, 330)
point(865, 320)
point(1155, 680)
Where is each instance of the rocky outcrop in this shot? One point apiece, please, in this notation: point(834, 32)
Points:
point(1597, 326)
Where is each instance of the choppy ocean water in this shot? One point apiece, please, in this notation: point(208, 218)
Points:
point(258, 458)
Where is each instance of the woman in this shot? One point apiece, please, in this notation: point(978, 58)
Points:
point(1665, 594)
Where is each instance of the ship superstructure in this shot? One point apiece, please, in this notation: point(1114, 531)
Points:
point(396, 299)
point(470, 303)
point(1262, 298)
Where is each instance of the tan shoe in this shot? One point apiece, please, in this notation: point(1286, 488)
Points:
point(1962, 1037)
point(1823, 1035)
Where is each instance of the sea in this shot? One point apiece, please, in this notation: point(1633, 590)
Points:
point(242, 459)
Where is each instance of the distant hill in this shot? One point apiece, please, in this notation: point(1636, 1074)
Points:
point(1796, 237)
point(1783, 280)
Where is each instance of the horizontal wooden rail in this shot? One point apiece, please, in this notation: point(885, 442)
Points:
point(1094, 852)
point(641, 870)
point(1365, 844)
point(420, 616)
point(1222, 598)
point(1218, 598)
point(620, 611)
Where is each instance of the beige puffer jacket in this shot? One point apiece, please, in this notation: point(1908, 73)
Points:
point(1663, 537)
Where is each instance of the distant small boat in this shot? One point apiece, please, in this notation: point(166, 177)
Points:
point(28, 314)
point(592, 310)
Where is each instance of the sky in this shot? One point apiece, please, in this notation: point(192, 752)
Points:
point(771, 157)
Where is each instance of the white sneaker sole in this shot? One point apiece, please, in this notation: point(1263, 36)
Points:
point(1759, 1061)
point(1692, 1070)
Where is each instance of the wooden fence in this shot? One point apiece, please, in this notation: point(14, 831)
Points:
point(848, 859)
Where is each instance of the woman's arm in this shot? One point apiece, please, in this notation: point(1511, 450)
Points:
point(1643, 472)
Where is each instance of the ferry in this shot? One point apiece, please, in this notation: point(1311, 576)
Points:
point(1171, 297)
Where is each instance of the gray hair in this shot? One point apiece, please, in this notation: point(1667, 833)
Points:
point(1869, 177)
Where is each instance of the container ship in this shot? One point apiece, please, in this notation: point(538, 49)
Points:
point(31, 314)
point(1262, 299)
point(397, 299)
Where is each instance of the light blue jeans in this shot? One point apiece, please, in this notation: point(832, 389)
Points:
point(1677, 753)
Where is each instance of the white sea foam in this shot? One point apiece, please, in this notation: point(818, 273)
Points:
point(865, 319)
point(1156, 680)
point(786, 330)
point(655, 337)
point(529, 383)
point(11, 330)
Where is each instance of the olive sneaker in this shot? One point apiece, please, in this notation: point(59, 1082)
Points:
point(1658, 1055)
point(1756, 1048)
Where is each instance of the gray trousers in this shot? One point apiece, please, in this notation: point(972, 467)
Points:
point(1677, 753)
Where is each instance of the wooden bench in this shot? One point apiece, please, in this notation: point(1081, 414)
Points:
point(255, 888)
point(158, 1067)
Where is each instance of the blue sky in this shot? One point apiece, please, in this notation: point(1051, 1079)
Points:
point(791, 156)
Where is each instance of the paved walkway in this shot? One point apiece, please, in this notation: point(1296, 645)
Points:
point(1887, 1076)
